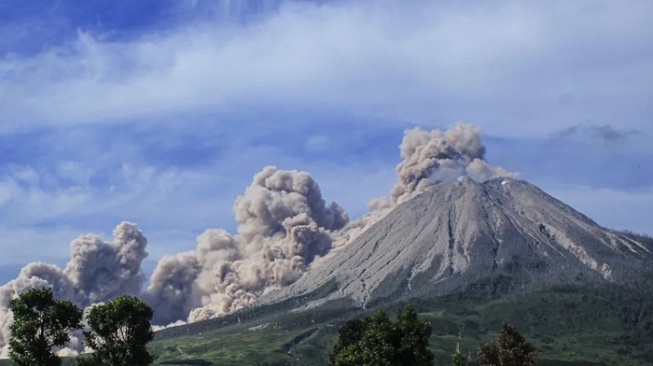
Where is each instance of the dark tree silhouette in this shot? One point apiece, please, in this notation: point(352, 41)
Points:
point(120, 332)
point(41, 323)
point(510, 350)
point(412, 339)
point(350, 333)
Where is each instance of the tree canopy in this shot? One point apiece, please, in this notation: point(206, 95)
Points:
point(378, 341)
point(350, 333)
point(41, 323)
point(511, 349)
point(120, 332)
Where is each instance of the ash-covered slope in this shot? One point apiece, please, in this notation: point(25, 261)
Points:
point(460, 232)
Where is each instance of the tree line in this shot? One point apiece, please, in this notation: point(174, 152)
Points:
point(378, 341)
point(117, 331)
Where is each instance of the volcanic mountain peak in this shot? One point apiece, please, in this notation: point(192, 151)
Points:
point(460, 232)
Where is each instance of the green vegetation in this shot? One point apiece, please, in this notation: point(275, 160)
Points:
point(41, 323)
point(590, 326)
point(377, 341)
point(120, 332)
point(457, 358)
point(607, 324)
point(511, 349)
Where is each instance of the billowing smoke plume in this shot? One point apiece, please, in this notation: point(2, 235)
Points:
point(434, 156)
point(284, 224)
point(428, 157)
point(115, 266)
point(284, 228)
point(171, 291)
point(97, 271)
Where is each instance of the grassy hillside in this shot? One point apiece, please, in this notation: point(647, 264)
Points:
point(569, 326)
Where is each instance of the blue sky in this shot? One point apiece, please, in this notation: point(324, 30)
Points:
point(161, 112)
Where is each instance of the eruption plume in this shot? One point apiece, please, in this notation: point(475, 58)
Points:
point(434, 156)
point(285, 227)
point(97, 271)
point(284, 224)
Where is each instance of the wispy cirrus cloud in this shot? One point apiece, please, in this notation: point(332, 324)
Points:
point(492, 63)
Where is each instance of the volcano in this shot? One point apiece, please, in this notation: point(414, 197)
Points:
point(470, 255)
point(461, 232)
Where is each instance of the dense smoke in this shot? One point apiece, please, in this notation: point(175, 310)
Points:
point(115, 266)
point(97, 271)
point(284, 227)
point(284, 224)
point(429, 157)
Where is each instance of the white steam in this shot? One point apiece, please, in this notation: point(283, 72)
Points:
point(285, 227)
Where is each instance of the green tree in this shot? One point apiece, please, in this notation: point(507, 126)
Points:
point(41, 323)
point(120, 332)
point(488, 355)
point(457, 358)
point(510, 350)
point(375, 347)
point(350, 333)
point(377, 341)
point(412, 335)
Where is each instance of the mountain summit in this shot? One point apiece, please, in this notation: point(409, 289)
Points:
point(461, 232)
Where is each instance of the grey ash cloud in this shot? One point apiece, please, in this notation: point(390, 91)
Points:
point(285, 228)
point(606, 134)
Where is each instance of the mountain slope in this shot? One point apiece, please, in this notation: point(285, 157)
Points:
point(452, 252)
point(605, 324)
point(463, 231)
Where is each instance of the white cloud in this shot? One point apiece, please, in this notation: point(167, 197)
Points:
point(28, 197)
point(502, 65)
point(74, 171)
point(7, 189)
